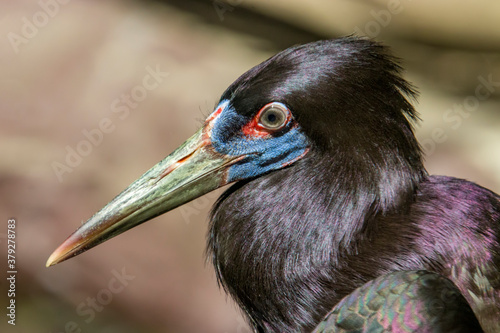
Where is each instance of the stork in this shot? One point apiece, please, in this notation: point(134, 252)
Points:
point(332, 223)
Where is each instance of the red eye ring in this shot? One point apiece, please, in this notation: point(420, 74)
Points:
point(273, 116)
point(261, 127)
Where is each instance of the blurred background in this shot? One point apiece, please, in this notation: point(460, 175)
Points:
point(93, 93)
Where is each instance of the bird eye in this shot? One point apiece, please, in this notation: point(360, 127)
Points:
point(274, 116)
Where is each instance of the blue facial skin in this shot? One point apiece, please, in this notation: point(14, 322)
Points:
point(263, 154)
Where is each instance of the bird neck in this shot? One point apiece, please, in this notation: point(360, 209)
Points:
point(277, 241)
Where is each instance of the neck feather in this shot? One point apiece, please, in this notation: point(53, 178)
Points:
point(278, 240)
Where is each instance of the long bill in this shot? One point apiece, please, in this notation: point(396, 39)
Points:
point(192, 170)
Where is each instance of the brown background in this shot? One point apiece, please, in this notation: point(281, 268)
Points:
point(64, 78)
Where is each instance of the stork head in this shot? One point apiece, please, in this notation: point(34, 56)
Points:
point(339, 98)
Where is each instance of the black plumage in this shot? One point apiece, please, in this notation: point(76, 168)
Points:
point(290, 244)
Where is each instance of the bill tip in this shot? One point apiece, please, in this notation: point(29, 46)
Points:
point(52, 260)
